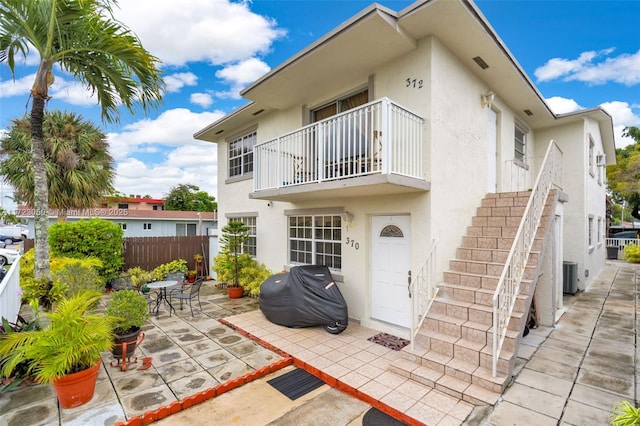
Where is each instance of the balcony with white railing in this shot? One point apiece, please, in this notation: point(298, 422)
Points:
point(379, 144)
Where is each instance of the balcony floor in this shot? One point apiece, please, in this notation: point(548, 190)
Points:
point(360, 186)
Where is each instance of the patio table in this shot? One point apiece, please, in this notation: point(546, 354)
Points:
point(162, 286)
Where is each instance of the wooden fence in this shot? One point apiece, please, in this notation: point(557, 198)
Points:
point(149, 252)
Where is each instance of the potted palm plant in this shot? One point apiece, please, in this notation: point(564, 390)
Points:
point(66, 353)
point(131, 311)
point(229, 263)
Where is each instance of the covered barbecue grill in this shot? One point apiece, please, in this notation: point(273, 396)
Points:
point(304, 297)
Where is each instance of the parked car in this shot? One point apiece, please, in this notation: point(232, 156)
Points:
point(626, 234)
point(7, 256)
point(9, 239)
point(17, 232)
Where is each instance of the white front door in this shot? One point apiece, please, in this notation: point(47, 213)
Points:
point(390, 255)
point(492, 152)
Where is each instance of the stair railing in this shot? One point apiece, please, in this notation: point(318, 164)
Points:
point(423, 290)
point(504, 298)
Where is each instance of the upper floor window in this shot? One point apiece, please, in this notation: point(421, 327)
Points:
point(241, 155)
point(123, 206)
point(591, 158)
point(340, 105)
point(520, 143)
point(146, 226)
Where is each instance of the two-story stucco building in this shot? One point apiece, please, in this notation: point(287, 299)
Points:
point(403, 134)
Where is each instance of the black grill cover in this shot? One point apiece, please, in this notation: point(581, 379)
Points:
point(304, 297)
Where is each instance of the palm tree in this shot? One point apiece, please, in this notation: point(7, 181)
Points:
point(79, 167)
point(83, 38)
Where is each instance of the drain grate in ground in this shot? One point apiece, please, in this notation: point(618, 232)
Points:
point(375, 417)
point(389, 341)
point(296, 383)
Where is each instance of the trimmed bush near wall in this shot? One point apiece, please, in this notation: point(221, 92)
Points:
point(632, 253)
point(89, 238)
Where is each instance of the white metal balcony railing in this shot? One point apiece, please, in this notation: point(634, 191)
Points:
point(378, 137)
point(504, 298)
point(10, 293)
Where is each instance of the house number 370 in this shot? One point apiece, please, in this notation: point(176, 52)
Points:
point(352, 243)
point(413, 83)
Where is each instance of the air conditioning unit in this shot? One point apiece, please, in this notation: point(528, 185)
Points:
point(569, 277)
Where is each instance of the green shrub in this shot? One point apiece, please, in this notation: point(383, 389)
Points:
point(77, 276)
point(130, 309)
point(251, 274)
point(89, 238)
point(68, 276)
point(139, 276)
point(160, 272)
point(632, 253)
point(625, 414)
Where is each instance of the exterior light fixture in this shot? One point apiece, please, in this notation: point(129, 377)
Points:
point(487, 99)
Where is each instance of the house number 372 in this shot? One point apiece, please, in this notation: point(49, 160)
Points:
point(413, 83)
point(352, 243)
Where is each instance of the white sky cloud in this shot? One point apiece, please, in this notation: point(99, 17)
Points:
point(240, 74)
point(172, 128)
point(562, 105)
point(175, 82)
point(623, 116)
point(185, 165)
point(594, 67)
point(205, 100)
point(216, 32)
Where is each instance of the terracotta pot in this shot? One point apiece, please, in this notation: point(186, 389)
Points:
point(130, 339)
point(76, 389)
point(235, 292)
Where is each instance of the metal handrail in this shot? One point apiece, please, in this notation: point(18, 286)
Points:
point(423, 291)
point(504, 298)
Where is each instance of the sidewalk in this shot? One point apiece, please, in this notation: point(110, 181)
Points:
point(571, 374)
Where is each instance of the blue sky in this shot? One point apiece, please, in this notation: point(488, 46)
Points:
point(580, 54)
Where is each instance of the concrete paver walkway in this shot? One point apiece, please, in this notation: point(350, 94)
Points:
point(573, 373)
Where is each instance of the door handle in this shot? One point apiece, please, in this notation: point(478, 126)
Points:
point(409, 283)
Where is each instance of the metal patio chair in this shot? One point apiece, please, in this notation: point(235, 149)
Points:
point(189, 292)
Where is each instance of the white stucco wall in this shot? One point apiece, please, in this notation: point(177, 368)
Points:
point(586, 196)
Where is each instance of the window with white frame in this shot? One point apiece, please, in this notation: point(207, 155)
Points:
point(186, 229)
point(591, 159)
point(590, 231)
point(316, 240)
point(600, 167)
point(123, 226)
point(520, 142)
point(250, 246)
point(599, 230)
point(146, 226)
point(241, 154)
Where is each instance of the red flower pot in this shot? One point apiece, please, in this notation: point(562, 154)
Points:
point(76, 389)
point(235, 292)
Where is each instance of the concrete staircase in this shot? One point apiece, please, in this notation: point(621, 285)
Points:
point(453, 350)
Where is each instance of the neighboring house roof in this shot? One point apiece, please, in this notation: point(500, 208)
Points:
point(134, 200)
point(376, 36)
point(126, 214)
